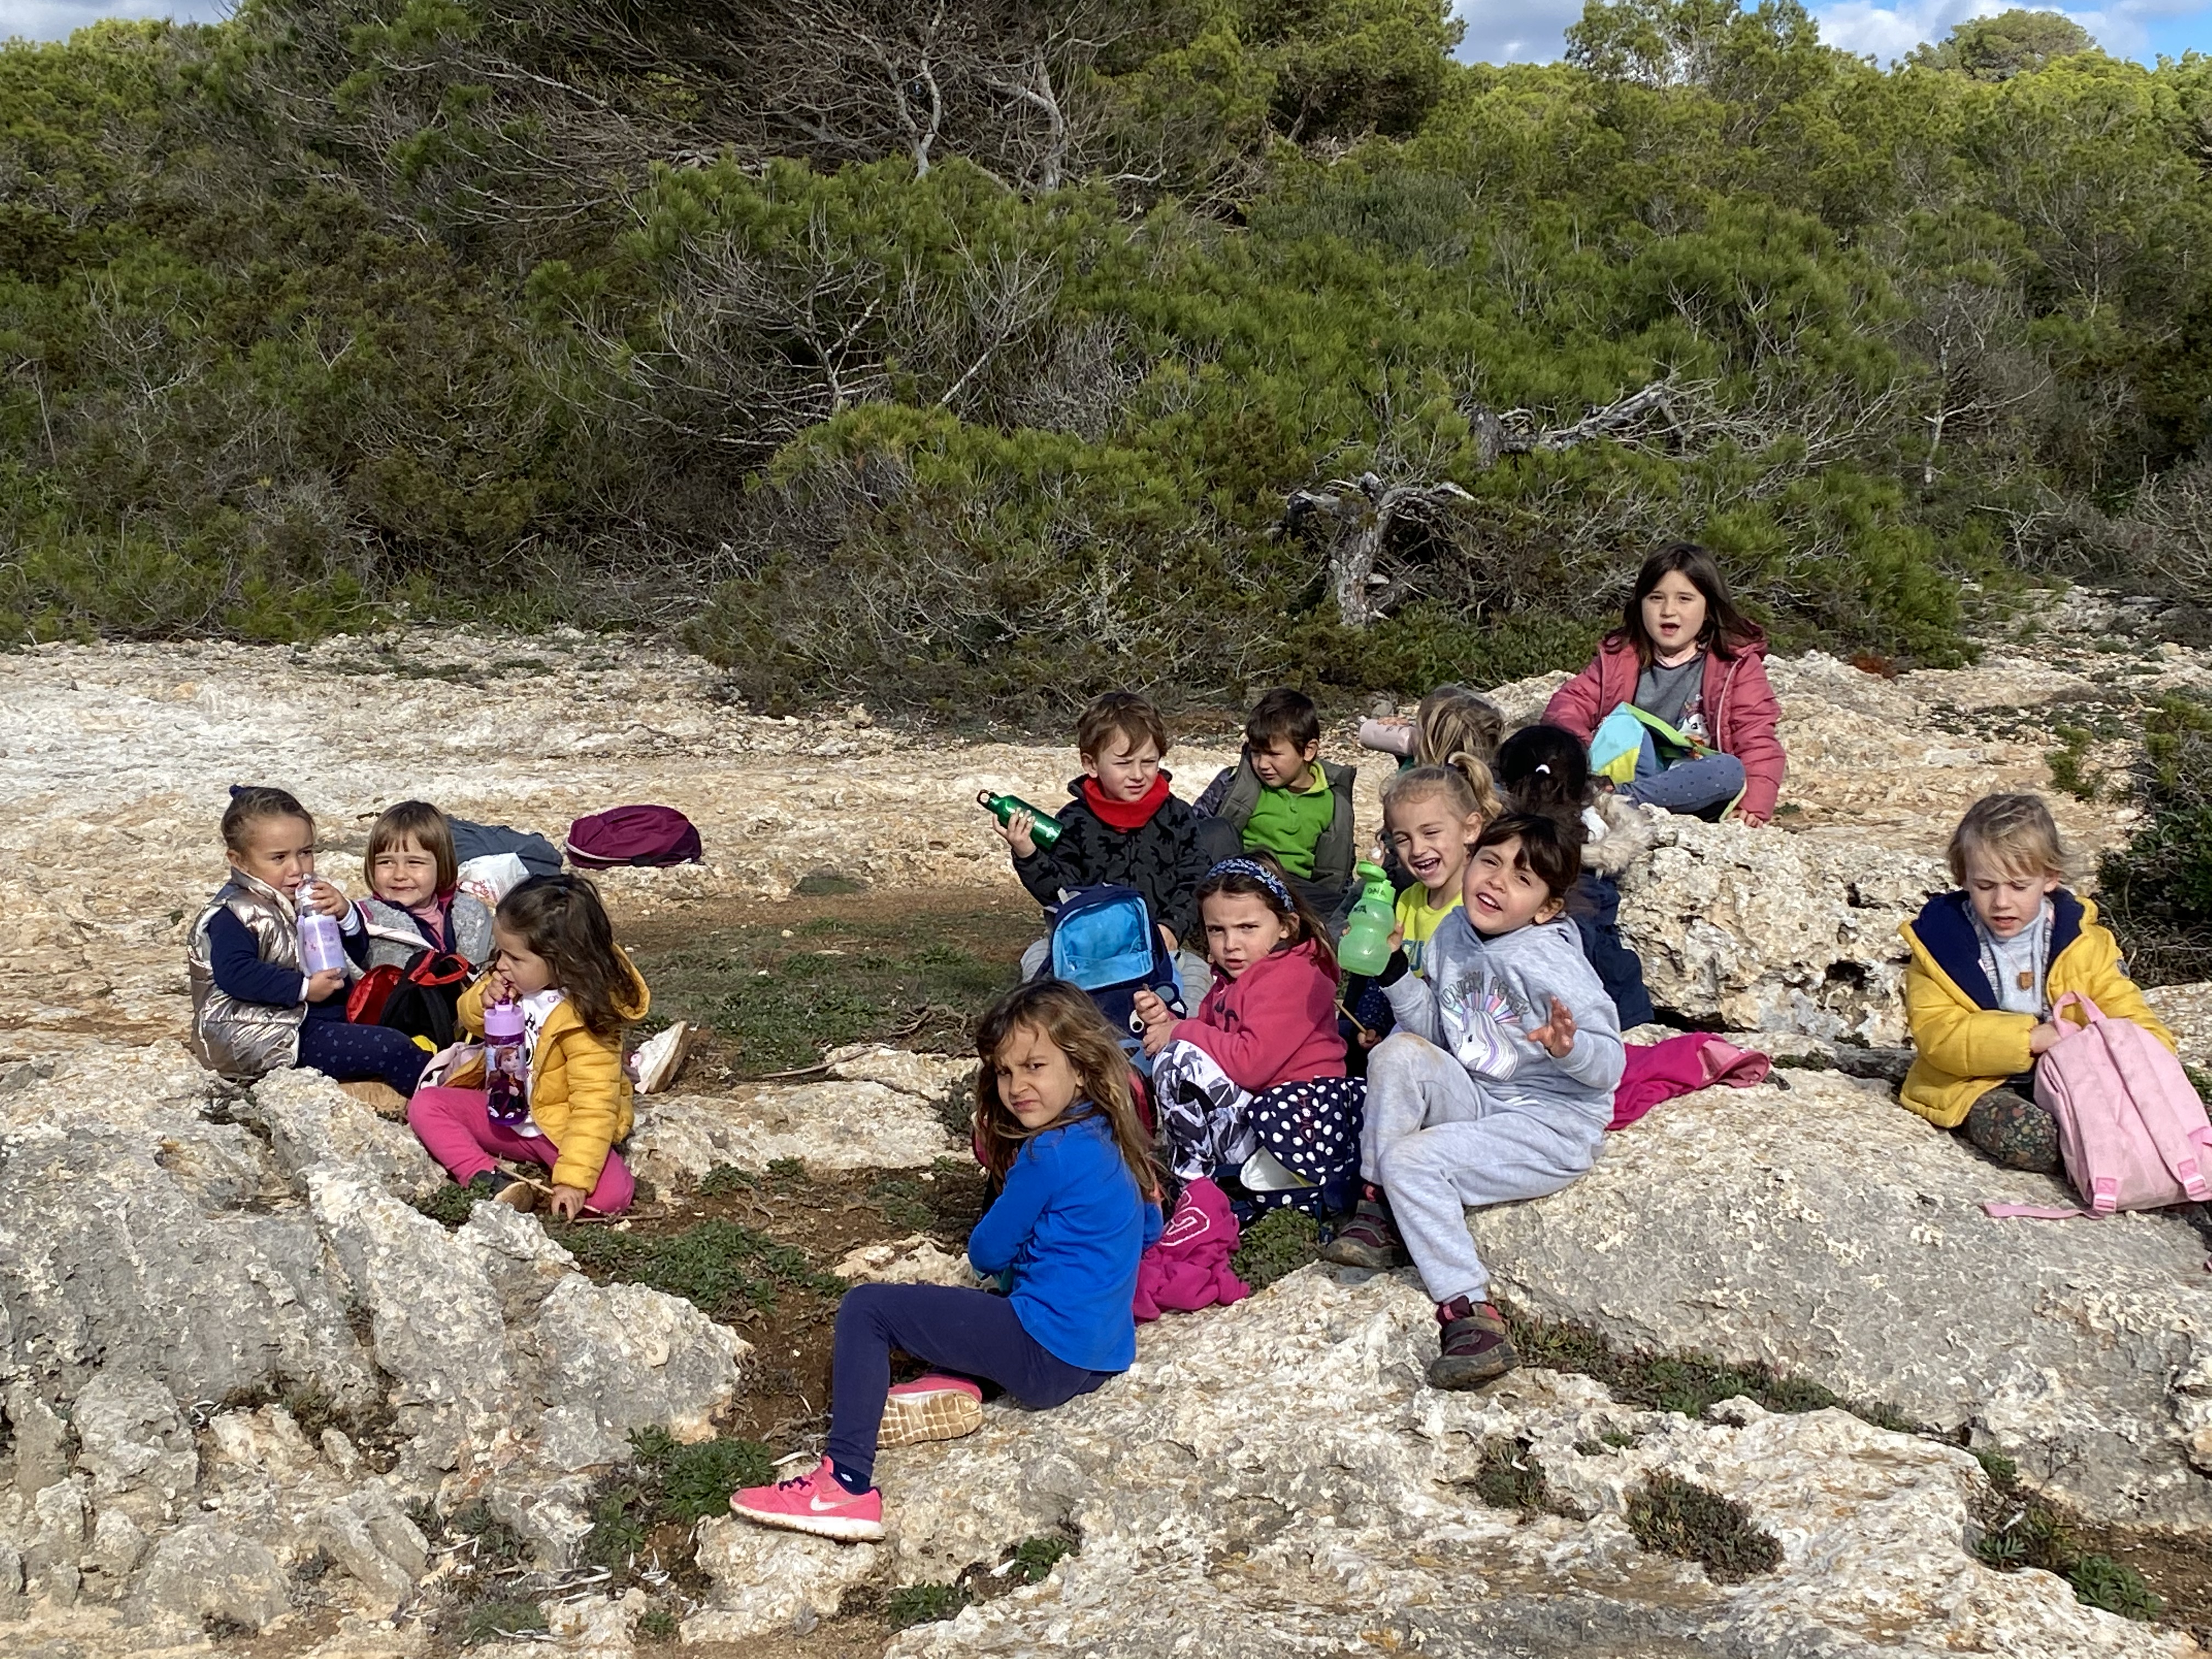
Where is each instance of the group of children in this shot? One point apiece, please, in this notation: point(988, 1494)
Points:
point(1478, 1066)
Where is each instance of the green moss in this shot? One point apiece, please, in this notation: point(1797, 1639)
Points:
point(1673, 1516)
point(494, 1621)
point(719, 1267)
point(923, 1604)
point(1278, 1243)
point(1035, 1558)
point(1509, 1477)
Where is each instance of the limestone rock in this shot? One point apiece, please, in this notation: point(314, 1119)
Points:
point(1763, 931)
point(202, 1572)
point(619, 1356)
point(135, 1445)
point(1827, 1231)
point(371, 1537)
point(1275, 1477)
point(930, 1077)
point(829, 1125)
point(916, 1259)
point(55, 1534)
point(41, 1439)
point(117, 1544)
point(2187, 1011)
point(311, 1120)
point(764, 1579)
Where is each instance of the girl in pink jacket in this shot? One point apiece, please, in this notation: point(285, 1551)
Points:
point(1683, 653)
point(1250, 1090)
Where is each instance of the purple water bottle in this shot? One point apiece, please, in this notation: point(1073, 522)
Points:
point(506, 1092)
point(322, 947)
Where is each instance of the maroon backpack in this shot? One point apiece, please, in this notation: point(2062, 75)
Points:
point(632, 834)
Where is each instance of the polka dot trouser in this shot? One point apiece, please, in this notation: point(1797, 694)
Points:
point(353, 1054)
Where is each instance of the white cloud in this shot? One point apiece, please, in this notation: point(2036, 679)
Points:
point(1502, 33)
point(52, 20)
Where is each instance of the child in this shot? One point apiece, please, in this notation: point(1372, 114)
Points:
point(1451, 720)
point(1284, 800)
point(1546, 769)
point(1252, 1085)
point(1987, 961)
point(1054, 1118)
point(1497, 1085)
point(555, 953)
point(1123, 827)
point(416, 903)
point(1686, 656)
point(254, 1010)
point(1431, 817)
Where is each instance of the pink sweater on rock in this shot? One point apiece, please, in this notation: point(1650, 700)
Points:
point(1275, 1022)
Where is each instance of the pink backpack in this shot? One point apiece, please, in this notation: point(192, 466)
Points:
point(632, 834)
point(2130, 1126)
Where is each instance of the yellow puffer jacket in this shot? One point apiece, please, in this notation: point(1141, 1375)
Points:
point(579, 1096)
point(1967, 1046)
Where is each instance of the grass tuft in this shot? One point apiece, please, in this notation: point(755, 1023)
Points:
point(1673, 1516)
point(923, 1604)
point(1509, 1477)
point(1278, 1243)
point(1035, 1558)
point(719, 1267)
point(489, 1621)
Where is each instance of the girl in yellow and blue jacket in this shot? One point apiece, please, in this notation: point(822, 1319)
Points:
point(1989, 963)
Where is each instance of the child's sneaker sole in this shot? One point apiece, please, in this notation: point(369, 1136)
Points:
point(1353, 1253)
point(839, 1528)
point(945, 1413)
point(1453, 1371)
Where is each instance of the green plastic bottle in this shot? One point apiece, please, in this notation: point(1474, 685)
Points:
point(1365, 947)
point(1044, 831)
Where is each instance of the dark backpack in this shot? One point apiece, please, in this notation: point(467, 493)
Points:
point(1104, 941)
point(421, 999)
point(632, 834)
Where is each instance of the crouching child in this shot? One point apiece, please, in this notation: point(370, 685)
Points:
point(1497, 1085)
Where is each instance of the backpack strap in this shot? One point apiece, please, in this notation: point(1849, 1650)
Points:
point(2075, 998)
point(2033, 1212)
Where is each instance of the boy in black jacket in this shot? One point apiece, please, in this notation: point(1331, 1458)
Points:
point(1123, 826)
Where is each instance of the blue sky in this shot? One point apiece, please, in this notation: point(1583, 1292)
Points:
point(1500, 31)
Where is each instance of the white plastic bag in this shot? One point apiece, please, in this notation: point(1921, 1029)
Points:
point(492, 877)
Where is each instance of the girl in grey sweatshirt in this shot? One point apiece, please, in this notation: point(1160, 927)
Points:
point(1498, 1084)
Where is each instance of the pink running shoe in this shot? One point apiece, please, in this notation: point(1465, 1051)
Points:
point(931, 1409)
point(814, 1502)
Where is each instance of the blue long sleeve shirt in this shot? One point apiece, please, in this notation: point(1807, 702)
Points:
point(1070, 1227)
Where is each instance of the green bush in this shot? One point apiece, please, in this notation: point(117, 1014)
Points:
point(923, 1604)
point(1674, 1516)
point(2156, 890)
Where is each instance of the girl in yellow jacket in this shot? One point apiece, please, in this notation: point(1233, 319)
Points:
point(555, 954)
point(1988, 963)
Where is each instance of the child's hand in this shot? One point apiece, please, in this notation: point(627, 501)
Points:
point(1365, 1038)
point(1397, 939)
point(1159, 1020)
point(1752, 820)
point(497, 987)
point(326, 894)
point(2045, 1038)
point(567, 1203)
point(322, 987)
point(1556, 1037)
point(1015, 832)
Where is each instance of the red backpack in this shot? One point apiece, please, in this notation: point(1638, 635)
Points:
point(632, 834)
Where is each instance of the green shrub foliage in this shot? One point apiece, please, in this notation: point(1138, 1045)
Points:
point(975, 391)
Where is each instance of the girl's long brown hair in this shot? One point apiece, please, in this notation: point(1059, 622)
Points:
point(1066, 1018)
point(1727, 631)
point(562, 919)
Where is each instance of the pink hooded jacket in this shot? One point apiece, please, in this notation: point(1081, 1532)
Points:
point(1740, 710)
point(1275, 1022)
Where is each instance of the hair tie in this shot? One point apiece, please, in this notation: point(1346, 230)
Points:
point(236, 790)
point(1260, 873)
point(1543, 768)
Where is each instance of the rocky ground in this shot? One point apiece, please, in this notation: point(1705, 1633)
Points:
point(256, 1399)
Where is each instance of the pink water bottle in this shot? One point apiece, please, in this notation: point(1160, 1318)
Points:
point(322, 947)
point(505, 1070)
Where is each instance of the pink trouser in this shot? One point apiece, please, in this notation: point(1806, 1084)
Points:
point(457, 1128)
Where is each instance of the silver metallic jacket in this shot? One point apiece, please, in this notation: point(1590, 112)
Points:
point(246, 1039)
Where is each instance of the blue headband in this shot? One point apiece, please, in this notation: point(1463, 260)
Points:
point(1260, 873)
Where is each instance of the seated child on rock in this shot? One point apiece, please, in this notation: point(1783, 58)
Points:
point(1251, 1089)
point(1282, 799)
point(1054, 1120)
point(1431, 817)
point(553, 953)
point(1497, 1085)
point(1451, 720)
point(1989, 960)
point(1122, 826)
point(254, 1009)
point(1685, 655)
point(415, 902)
point(1546, 769)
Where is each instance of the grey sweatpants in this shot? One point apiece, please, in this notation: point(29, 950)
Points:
point(1437, 1139)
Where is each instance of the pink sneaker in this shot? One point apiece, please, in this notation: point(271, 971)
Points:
point(814, 1502)
point(931, 1409)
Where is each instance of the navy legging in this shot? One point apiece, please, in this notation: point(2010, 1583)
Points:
point(353, 1054)
point(968, 1333)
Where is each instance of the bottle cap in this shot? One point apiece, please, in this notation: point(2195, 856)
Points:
point(503, 1022)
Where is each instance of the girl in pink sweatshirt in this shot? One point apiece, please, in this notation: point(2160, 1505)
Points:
point(1250, 1090)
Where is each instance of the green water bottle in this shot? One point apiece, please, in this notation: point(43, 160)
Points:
point(1365, 947)
point(1044, 831)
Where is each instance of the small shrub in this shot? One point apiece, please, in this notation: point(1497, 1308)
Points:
point(697, 1480)
point(2101, 1582)
point(2065, 763)
point(491, 1621)
point(1673, 1516)
point(496, 1543)
point(1278, 1243)
point(658, 1624)
point(2156, 892)
point(1509, 1477)
point(617, 1527)
point(449, 1204)
point(2032, 1534)
point(1035, 1558)
point(923, 1604)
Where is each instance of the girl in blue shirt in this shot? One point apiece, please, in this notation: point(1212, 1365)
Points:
point(1054, 1117)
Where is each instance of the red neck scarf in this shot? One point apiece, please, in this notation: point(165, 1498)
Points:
point(1126, 815)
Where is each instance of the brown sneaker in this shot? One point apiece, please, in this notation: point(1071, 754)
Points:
point(1370, 1239)
point(1476, 1348)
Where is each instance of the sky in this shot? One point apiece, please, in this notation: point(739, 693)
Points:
point(1498, 30)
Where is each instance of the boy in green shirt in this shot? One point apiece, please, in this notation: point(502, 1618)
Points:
point(1282, 798)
